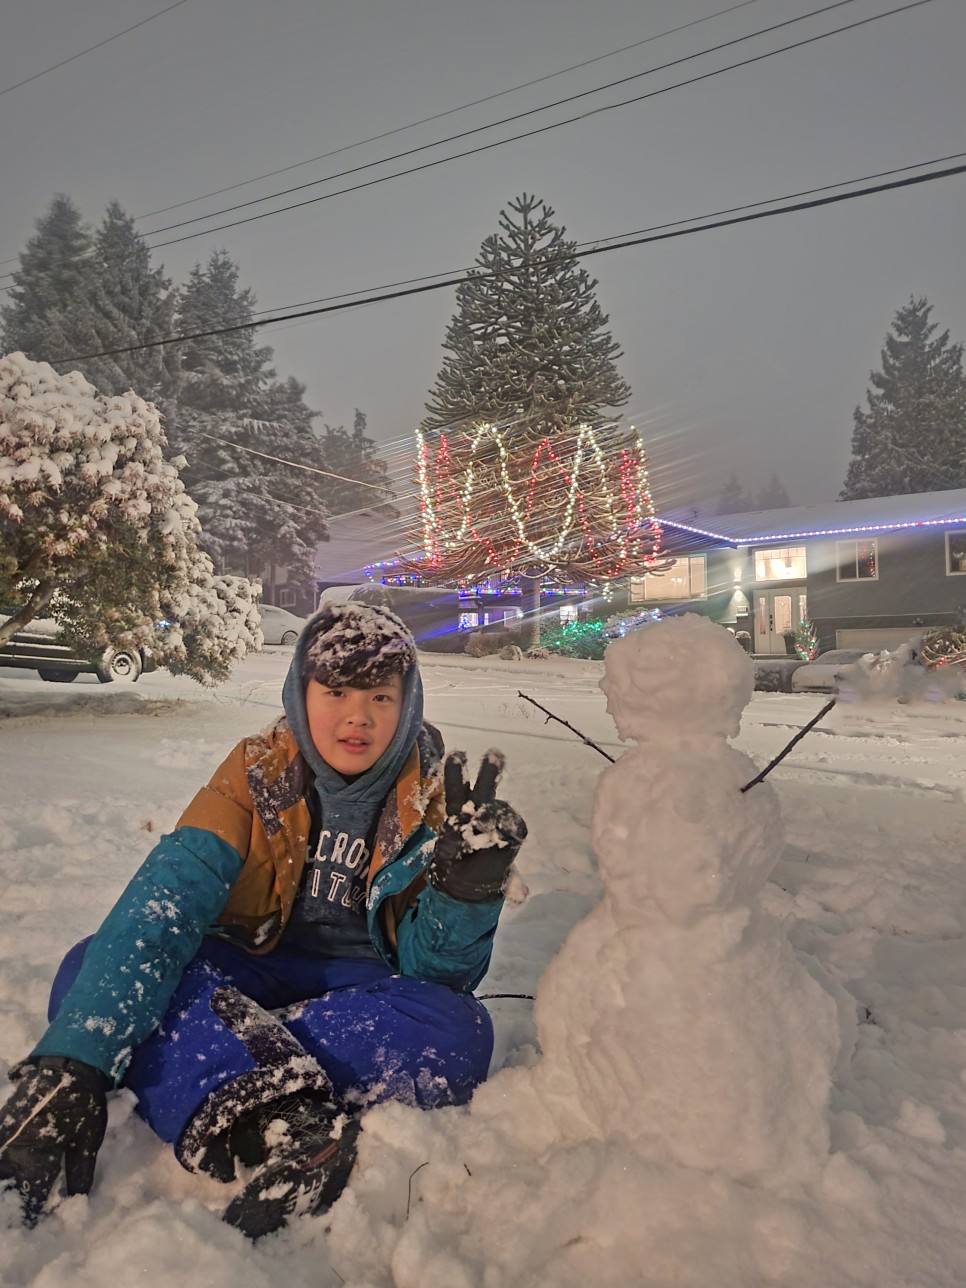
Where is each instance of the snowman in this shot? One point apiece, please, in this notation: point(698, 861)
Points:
point(677, 1017)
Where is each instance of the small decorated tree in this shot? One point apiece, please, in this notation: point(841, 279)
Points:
point(806, 641)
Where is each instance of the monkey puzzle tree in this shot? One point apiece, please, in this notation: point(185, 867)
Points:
point(524, 472)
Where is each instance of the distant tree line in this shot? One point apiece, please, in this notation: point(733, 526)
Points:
point(80, 290)
point(770, 496)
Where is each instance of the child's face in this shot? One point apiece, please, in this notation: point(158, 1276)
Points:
point(351, 728)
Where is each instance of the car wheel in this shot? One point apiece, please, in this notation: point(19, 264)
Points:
point(122, 664)
point(57, 677)
point(289, 637)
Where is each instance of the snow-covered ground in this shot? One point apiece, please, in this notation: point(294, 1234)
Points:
point(864, 1184)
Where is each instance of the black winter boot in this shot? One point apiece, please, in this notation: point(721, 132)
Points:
point(304, 1149)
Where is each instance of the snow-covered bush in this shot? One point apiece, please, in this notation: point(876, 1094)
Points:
point(488, 643)
point(97, 525)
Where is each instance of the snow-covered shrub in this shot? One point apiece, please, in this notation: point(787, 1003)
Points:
point(488, 643)
point(95, 523)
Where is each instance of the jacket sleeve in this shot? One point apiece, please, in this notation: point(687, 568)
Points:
point(447, 940)
point(135, 961)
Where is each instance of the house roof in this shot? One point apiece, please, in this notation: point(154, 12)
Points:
point(874, 514)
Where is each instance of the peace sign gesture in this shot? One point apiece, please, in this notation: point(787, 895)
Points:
point(481, 835)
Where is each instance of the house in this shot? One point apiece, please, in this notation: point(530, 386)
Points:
point(867, 574)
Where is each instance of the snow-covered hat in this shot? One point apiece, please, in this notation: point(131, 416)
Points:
point(359, 645)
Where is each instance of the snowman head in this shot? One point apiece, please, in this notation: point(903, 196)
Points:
point(681, 676)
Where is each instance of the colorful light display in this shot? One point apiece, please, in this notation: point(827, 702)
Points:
point(567, 504)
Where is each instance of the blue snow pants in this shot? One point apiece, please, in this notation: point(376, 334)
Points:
point(376, 1036)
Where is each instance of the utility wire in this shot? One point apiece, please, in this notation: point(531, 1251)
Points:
point(653, 228)
point(90, 49)
point(517, 116)
point(485, 147)
point(311, 469)
point(582, 254)
point(514, 138)
point(438, 116)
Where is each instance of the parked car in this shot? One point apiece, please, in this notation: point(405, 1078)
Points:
point(821, 675)
point(39, 647)
point(279, 626)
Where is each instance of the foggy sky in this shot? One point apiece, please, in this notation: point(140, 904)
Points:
point(746, 348)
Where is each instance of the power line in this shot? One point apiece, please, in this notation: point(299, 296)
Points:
point(485, 147)
point(438, 116)
point(527, 134)
point(633, 240)
point(311, 469)
point(675, 223)
point(507, 120)
point(90, 49)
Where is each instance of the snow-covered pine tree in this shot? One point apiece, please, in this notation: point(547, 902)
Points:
point(773, 495)
point(912, 438)
point(47, 316)
point(733, 499)
point(97, 528)
point(238, 424)
point(131, 303)
point(524, 471)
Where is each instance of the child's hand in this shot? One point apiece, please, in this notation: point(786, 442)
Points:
point(481, 835)
point(55, 1118)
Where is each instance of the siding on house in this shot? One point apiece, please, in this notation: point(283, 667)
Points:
point(913, 588)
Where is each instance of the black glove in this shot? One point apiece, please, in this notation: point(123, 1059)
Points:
point(56, 1116)
point(481, 835)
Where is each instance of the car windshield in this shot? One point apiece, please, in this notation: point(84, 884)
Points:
point(840, 656)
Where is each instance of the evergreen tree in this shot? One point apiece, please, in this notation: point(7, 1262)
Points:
point(130, 303)
point(238, 424)
point(47, 315)
point(354, 457)
point(528, 339)
point(733, 499)
point(524, 471)
point(773, 495)
point(912, 438)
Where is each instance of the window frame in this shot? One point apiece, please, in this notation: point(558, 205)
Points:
point(856, 542)
point(774, 551)
point(958, 535)
point(638, 586)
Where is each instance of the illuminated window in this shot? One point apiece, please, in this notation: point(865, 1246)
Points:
point(856, 560)
point(568, 613)
point(684, 579)
point(469, 621)
point(511, 617)
point(780, 563)
point(955, 553)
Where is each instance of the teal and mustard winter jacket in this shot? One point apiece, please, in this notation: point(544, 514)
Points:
point(232, 867)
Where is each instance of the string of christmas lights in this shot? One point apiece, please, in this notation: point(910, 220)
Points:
point(564, 505)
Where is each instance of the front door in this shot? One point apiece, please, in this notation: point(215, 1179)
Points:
point(777, 611)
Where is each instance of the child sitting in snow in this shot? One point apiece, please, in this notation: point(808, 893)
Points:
point(301, 946)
